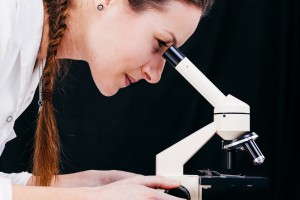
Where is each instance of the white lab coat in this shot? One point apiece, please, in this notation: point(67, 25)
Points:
point(21, 25)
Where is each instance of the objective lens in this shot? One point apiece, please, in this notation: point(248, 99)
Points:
point(254, 151)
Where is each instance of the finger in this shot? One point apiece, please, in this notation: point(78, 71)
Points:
point(155, 182)
point(124, 174)
point(115, 175)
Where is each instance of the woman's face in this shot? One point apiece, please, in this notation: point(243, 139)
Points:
point(122, 46)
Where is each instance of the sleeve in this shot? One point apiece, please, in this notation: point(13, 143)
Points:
point(5, 189)
point(16, 178)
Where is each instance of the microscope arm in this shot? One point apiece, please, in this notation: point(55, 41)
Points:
point(170, 162)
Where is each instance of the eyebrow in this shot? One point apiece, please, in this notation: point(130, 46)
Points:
point(174, 40)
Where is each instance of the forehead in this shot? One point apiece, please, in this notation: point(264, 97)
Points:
point(180, 19)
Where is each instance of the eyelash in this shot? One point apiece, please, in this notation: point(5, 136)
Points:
point(161, 44)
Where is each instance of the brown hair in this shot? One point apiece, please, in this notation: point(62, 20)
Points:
point(140, 5)
point(46, 151)
point(47, 144)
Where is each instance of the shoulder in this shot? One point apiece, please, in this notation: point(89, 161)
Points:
point(8, 9)
point(21, 24)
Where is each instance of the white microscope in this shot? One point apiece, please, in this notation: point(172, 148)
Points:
point(231, 123)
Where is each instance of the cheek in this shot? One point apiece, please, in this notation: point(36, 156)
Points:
point(119, 49)
point(135, 55)
point(112, 55)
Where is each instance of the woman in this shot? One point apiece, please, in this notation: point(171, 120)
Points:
point(123, 42)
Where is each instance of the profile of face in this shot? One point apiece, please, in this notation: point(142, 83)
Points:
point(123, 46)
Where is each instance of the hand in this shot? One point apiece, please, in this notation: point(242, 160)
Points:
point(137, 188)
point(89, 178)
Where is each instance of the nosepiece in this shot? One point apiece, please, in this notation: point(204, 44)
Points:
point(245, 142)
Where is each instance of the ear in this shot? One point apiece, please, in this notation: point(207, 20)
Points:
point(107, 2)
point(103, 2)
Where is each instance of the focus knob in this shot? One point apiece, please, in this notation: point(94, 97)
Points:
point(180, 192)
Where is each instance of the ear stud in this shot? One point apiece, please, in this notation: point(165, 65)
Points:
point(100, 7)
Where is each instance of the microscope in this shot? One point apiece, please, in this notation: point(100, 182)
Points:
point(231, 123)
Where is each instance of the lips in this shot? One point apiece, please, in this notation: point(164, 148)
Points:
point(129, 80)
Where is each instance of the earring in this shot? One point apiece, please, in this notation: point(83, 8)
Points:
point(100, 7)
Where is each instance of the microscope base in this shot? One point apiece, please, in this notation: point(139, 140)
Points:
point(217, 187)
point(244, 187)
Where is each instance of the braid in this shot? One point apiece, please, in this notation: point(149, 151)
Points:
point(47, 144)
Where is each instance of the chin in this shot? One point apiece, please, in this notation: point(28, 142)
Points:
point(107, 89)
point(107, 92)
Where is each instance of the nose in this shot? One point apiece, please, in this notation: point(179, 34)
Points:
point(152, 70)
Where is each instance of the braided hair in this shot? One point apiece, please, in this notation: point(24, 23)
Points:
point(47, 145)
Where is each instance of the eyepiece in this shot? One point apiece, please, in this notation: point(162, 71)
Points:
point(173, 56)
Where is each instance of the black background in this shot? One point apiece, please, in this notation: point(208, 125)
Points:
point(248, 49)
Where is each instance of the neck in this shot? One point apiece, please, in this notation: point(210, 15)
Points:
point(70, 47)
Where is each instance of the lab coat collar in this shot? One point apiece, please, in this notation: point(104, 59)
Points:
point(30, 38)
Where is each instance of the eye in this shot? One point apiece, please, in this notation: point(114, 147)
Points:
point(161, 45)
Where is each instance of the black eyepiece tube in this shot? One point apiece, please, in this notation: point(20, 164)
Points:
point(173, 56)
